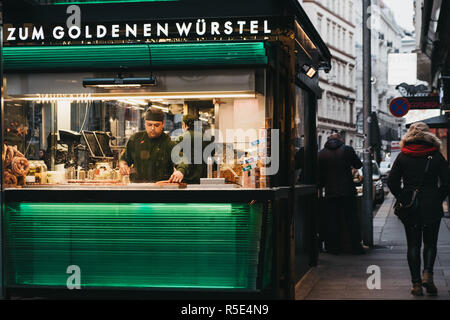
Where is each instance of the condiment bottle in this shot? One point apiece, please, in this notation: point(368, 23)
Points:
point(210, 167)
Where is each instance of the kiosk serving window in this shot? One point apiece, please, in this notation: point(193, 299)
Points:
point(72, 136)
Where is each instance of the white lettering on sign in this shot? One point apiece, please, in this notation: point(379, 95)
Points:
point(74, 32)
point(101, 31)
point(11, 34)
point(184, 29)
point(160, 29)
point(115, 29)
point(200, 27)
point(131, 30)
point(38, 34)
point(228, 27)
point(266, 27)
point(241, 26)
point(215, 28)
point(58, 33)
point(23, 33)
point(147, 30)
point(87, 33)
point(253, 27)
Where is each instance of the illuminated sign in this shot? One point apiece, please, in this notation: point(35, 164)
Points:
point(148, 30)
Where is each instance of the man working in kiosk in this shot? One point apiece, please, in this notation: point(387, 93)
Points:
point(193, 136)
point(149, 152)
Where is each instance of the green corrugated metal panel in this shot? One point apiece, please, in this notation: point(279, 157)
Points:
point(133, 245)
point(112, 57)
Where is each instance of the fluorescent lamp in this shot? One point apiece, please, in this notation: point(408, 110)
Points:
point(139, 96)
point(119, 82)
point(161, 108)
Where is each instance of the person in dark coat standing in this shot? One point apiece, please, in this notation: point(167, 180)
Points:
point(418, 144)
point(336, 161)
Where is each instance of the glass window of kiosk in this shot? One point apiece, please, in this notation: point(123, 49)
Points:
point(81, 141)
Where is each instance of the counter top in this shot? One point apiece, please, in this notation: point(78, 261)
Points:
point(149, 193)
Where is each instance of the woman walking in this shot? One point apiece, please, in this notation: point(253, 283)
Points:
point(419, 148)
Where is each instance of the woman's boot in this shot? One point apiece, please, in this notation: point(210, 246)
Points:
point(417, 289)
point(427, 283)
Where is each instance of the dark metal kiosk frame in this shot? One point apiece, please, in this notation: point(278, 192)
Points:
point(287, 241)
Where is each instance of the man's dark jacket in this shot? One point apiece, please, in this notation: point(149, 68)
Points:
point(335, 169)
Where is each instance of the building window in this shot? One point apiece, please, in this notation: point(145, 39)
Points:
point(333, 40)
point(343, 45)
point(351, 112)
point(328, 32)
point(344, 75)
point(338, 44)
point(350, 11)
point(319, 23)
point(350, 74)
point(351, 45)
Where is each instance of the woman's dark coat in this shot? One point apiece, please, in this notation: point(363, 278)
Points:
point(410, 169)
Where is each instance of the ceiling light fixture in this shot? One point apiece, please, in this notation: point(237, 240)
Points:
point(120, 81)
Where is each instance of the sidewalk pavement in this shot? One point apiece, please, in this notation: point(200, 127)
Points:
point(344, 277)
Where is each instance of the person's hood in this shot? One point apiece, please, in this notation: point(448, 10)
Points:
point(419, 143)
point(420, 137)
point(333, 144)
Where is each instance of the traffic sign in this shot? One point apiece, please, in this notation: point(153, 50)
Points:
point(399, 107)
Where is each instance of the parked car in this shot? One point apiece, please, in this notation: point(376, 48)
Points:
point(378, 189)
point(385, 169)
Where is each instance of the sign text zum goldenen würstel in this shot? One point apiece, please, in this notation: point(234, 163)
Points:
point(194, 28)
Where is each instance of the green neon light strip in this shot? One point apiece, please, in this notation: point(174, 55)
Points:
point(133, 245)
point(67, 2)
point(111, 57)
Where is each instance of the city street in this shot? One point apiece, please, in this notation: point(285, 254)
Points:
point(344, 277)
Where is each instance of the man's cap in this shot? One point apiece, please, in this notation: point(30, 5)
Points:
point(154, 114)
point(189, 120)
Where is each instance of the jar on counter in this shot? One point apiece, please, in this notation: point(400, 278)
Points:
point(31, 178)
point(41, 172)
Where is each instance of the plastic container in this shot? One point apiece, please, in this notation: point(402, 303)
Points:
point(55, 177)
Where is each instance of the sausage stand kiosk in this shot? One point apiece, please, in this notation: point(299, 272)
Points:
point(77, 80)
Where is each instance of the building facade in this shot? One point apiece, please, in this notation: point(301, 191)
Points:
point(335, 22)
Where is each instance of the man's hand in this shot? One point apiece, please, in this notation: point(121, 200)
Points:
point(124, 169)
point(176, 176)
